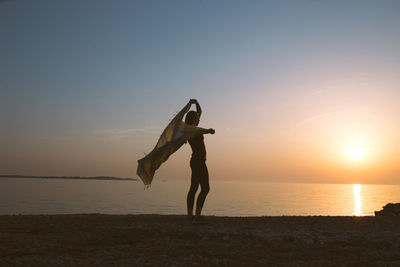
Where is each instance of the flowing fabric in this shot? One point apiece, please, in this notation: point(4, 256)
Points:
point(172, 138)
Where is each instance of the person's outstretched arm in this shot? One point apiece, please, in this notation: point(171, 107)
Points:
point(195, 129)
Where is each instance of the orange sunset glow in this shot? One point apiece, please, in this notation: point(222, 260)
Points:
point(290, 102)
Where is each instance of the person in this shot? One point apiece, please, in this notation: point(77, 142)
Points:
point(175, 135)
point(197, 165)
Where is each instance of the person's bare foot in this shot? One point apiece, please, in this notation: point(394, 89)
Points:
point(190, 218)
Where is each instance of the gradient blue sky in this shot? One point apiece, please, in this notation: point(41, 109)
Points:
point(88, 86)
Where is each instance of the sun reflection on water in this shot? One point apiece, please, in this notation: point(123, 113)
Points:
point(357, 199)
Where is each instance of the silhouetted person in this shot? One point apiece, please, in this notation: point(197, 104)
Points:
point(197, 164)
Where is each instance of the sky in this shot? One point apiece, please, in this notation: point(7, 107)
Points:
point(297, 91)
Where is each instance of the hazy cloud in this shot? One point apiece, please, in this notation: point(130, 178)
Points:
point(122, 133)
point(313, 118)
point(349, 112)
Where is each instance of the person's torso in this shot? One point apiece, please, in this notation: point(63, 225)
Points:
point(198, 147)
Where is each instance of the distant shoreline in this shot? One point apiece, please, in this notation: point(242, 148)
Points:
point(69, 177)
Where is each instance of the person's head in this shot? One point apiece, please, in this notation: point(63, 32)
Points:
point(192, 118)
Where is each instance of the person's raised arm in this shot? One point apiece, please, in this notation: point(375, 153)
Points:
point(185, 109)
point(198, 108)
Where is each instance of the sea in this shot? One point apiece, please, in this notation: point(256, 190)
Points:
point(226, 198)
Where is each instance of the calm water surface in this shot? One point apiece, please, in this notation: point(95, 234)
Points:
point(62, 196)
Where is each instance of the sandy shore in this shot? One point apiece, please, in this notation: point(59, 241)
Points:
point(159, 240)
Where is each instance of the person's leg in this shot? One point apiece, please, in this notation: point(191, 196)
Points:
point(190, 197)
point(205, 188)
point(194, 185)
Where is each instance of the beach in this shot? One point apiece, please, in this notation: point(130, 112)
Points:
point(171, 240)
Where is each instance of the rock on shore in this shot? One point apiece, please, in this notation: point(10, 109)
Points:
point(389, 209)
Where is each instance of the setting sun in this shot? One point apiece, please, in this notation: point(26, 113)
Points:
point(356, 153)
